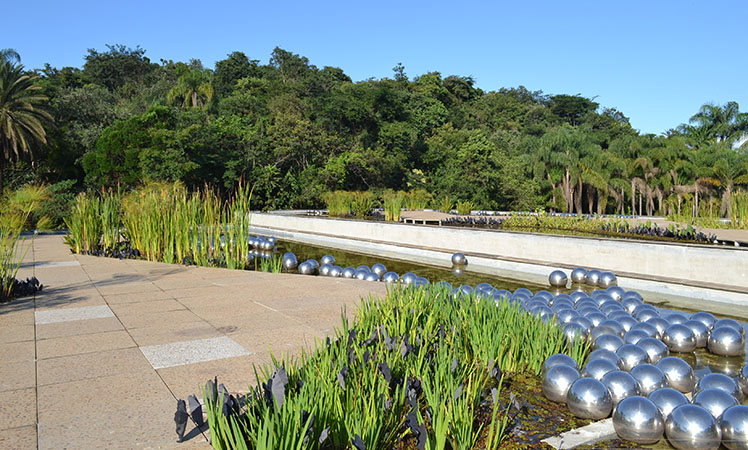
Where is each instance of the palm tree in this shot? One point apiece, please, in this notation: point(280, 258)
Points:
point(22, 115)
point(9, 55)
point(718, 123)
point(193, 89)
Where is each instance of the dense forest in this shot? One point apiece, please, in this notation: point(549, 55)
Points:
point(295, 131)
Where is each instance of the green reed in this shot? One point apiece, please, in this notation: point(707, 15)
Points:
point(84, 224)
point(338, 203)
point(444, 204)
point(362, 203)
point(465, 208)
point(393, 205)
point(417, 199)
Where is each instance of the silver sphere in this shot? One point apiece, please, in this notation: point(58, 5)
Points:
point(458, 259)
point(597, 368)
point(650, 329)
point(692, 427)
point(718, 381)
point(327, 259)
point(336, 271)
point(578, 275)
point(667, 399)
point(607, 279)
point(627, 323)
point(700, 332)
point(363, 267)
point(371, 276)
point(588, 398)
point(616, 292)
point(743, 379)
point(605, 354)
point(557, 381)
point(621, 385)
point(592, 277)
point(649, 377)
point(361, 273)
point(558, 278)
point(272, 239)
point(289, 261)
point(565, 315)
point(660, 324)
point(679, 338)
point(574, 332)
point(654, 348)
point(734, 425)
point(706, 318)
point(608, 341)
point(408, 278)
point(726, 341)
point(632, 355)
point(716, 401)
point(729, 323)
point(420, 282)
point(645, 315)
point(676, 318)
point(634, 336)
point(314, 263)
point(349, 272)
point(679, 373)
point(391, 277)
point(596, 317)
point(379, 269)
point(559, 359)
point(583, 322)
point(306, 268)
point(614, 326)
point(325, 269)
point(639, 420)
point(630, 304)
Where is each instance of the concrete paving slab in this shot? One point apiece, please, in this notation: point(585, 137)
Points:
point(21, 438)
point(179, 284)
point(227, 309)
point(16, 333)
point(278, 340)
point(188, 352)
point(84, 343)
point(153, 319)
point(55, 264)
point(91, 365)
point(17, 375)
point(17, 408)
point(252, 323)
point(155, 306)
point(17, 312)
point(174, 332)
point(63, 329)
point(137, 297)
point(71, 314)
point(17, 351)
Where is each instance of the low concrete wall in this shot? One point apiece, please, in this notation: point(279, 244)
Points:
point(673, 270)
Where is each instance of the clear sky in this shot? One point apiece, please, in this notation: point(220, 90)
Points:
point(657, 61)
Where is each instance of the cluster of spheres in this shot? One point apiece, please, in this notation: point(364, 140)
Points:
point(631, 375)
point(262, 245)
point(594, 277)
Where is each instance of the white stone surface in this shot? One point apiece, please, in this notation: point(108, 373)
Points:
point(70, 314)
point(589, 434)
point(47, 265)
point(188, 352)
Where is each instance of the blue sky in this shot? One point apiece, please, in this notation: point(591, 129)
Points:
point(656, 61)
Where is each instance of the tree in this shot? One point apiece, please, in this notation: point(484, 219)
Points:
point(193, 89)
point(572, 107)
point(717, 123)
point(9, 55)
point(22, 115)
point(117, 66)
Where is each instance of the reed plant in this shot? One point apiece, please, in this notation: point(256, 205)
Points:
point(362, 203)
point(416, 365)
point(274, 264)
point(338, 203)
point(465, 207)
point(393, 205)
point(84, 224)
point(417, 199)
point(739, 210)
point(444, 204)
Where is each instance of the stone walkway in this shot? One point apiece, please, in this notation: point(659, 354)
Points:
point(99, 357)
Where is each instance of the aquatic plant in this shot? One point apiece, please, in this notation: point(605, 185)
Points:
point(362, 203)
point(338, 203)
point(465, 207)
point(393, 205)
point(417, 199)
point(444, 204)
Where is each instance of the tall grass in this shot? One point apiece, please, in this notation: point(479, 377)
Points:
point(739, 210)
point(393, 205)
point(415, 365)
point(417, 199)
point(444, 204)
point(338, 203)
point(465, 208)
point(362, 203)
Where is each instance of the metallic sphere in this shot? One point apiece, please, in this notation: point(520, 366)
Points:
point(273, 240)
point(645, 315)
point(559, 359)
point(605, 354)
point(617, 315)
point(349, 272)
point(574, 332)
point(660, 324)
point(634, 336)
point(632, 355)
point(718, 381)
point(314, 263)
point(667, 399)
point(734, 425)
point(408, 278)
point(716, 401)
point(615, 326)
point(597, 368)
point(267, 245)
point(441, 284)
point(306, 268)
point(371, 276)
point(583, 322)
point(679, 373)
point(289, 261)
point(630, 304)
point(729, 323)
point(325, 269)
point(458, 271)
point(616, 292)
point(646, 327)
point(391, 277)
point(558, 278)
point(327, 259)
point(607, 279)
point(692, 427)
point(676, 318)
point(621, 385)
point(596, 317)
point(639, 420)
point(557, 381)
point(743, 379)
point(458, 259)
point(608, 341)
point(565, 315)
point(726, 341)
point(654, 348)
point(336, 271)
point(361, 273)
point(379, 269)
point(679, 338)
point(588, 398)
point(363, 267)
point(578, 275)
point(627, 323)
point(700, 332)
point(592, 277)
point(420, 282)
point(649, 377)
point(706, 318)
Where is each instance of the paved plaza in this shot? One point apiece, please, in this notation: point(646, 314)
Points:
point(100, 356)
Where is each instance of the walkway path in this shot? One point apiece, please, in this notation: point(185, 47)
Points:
point(99, 357)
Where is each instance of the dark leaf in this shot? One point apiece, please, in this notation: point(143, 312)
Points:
point(180, 419)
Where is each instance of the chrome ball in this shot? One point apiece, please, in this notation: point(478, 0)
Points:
point(565, 315)
point(327, 259)
point(607, 279)
point(700, 332)
point(583, 322)
point(706, 318)
point(718, 381)
point(729, 323)
point(336, 271)
point(631, 356)
point(597, 368)
point(607, 341)
point(614, 326)
point(678, 373)
point(349, 272)
point(692, 427)
point(574, 332)
point(559, 359)
point(325, 269)
point(679, 338)
point(361, 273)
point(558, 278)
point(314, 263)
point(379, 269)
point(578, 275)
point(272, 239)
point(674, 318)
point(592, 277)
point(716, 401)
point(627, 323)
point(734, 426)
point(363, 267)
point(634, 336)
point(616, 292)
point(420, 282)
point(596, 317)
point(645, 315)
point(726, 341)
point(743, 379)
point(655, 348)
point(667, 399)
point(557, 381)
point(371, 276)
point(621, 385)
point(306, 268)
point(289, 261)
point(607, 355)
point(649, 377)
point(650, 329)
point(459, 259)
point(630, 304)
point(660, 324)
point(639, 420)
point(588, 398)
point(390, 277)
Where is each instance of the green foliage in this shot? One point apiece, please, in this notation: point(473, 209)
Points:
point(362, 203)
point(417, 199)
point(338, 202)
point(444, 204)
point(465, 207)
point(393, 205)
